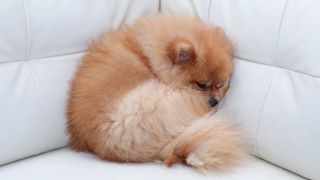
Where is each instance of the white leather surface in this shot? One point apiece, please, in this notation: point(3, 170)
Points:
point(41, 28)
point(276, 85)
point(12, 33)
point(280, 115)
point(32, 106)
point(41, 42)
point(64, 164)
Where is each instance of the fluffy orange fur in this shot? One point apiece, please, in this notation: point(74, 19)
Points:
point(141, 94)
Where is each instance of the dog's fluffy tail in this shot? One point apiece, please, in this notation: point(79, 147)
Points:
point(211, 142)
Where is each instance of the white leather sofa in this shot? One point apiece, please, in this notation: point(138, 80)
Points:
point(275, 93)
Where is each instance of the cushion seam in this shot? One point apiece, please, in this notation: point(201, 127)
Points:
point(42, 144)
point(279, 67)
point(27, 26)
point(260, 115)
point(281, 23)
point(208, 12)
point(43, 57)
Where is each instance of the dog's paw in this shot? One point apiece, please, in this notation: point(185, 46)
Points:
point(195, 161)
point(212, 158)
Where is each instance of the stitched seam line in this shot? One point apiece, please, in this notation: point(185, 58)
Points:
point(27, 25)
point(279, 67)
point(63, 148)
point(42, 119)
point(209, 11)
point(281, 22)
point(260, 115)
point(193, 5)
point(42, 145)
point(39, 58)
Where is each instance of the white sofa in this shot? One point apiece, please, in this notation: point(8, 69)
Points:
point(275, 93)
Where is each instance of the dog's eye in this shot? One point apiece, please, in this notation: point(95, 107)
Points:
point(220, 85)
point(203, 86)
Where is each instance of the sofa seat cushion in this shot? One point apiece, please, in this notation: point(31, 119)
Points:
point(66, 164)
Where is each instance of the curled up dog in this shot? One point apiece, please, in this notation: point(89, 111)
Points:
point(143, 93)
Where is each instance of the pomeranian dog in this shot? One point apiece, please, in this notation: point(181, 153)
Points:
point(143, 93)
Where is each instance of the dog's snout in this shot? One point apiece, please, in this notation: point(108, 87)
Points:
point(213, 101)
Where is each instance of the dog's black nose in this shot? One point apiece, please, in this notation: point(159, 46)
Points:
point(213, 101)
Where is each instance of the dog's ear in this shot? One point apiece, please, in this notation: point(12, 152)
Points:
point(181, 52)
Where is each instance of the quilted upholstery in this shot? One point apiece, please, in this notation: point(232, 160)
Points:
point(40, 44)
point(274, 94)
